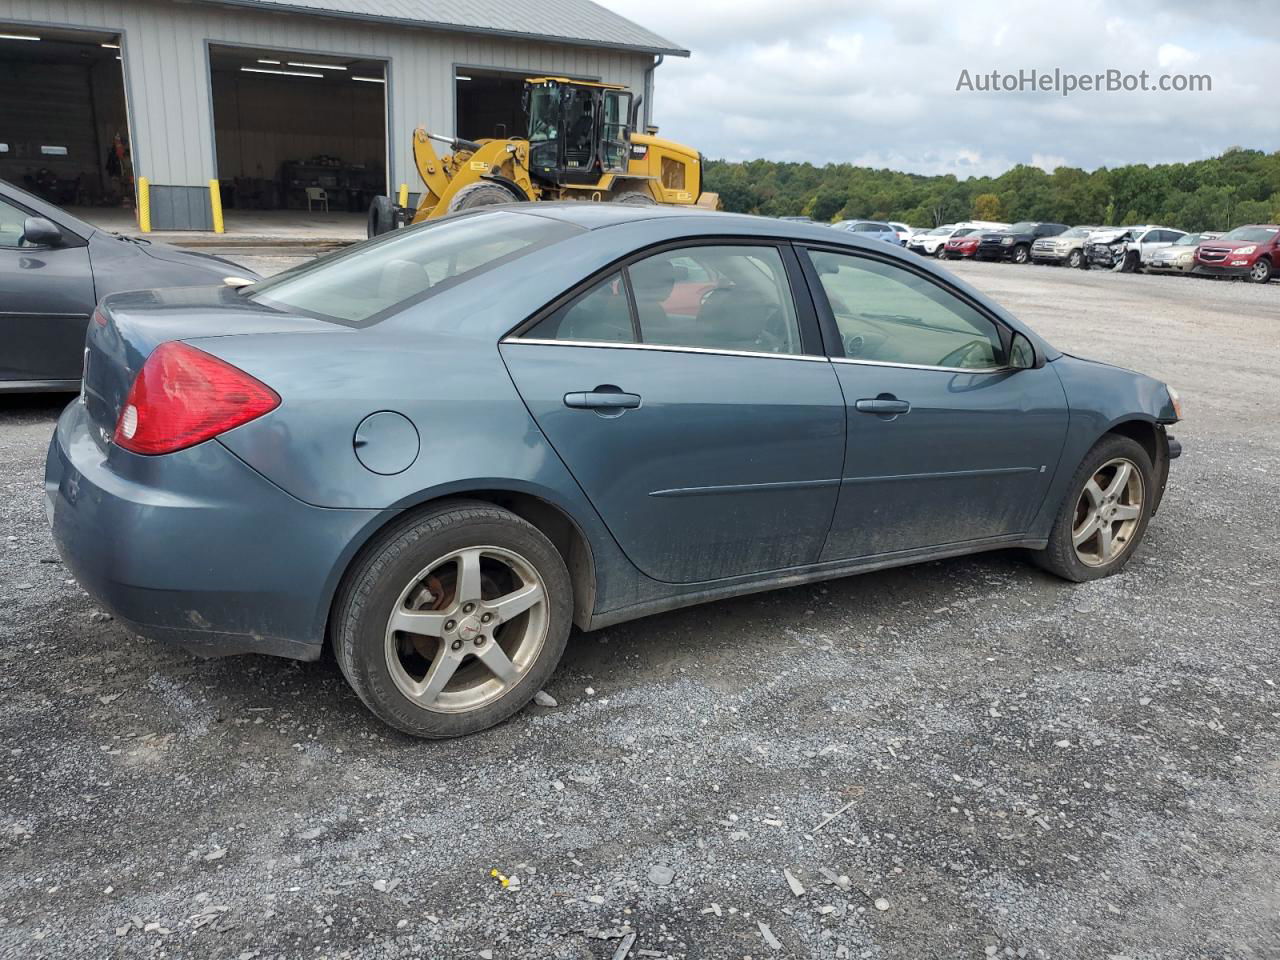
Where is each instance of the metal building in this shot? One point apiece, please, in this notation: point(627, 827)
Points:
point(285, 104)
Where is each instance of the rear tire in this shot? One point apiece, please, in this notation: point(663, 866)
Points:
point(483, 194)
point(382, 217)
point(492, 658)
point(1074, 553)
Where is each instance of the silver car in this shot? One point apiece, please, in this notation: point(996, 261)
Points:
point(1065, 248)
point(1179, 257)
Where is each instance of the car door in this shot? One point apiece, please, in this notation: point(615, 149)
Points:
point(709, 442)
point(46, 297)
point(947, 443)
point(1157, 240)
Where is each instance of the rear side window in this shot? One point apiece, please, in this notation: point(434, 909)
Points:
point(732, 297)
point(372, 280)
point(601, 314)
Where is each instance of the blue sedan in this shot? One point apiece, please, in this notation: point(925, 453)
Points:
point(440, 449)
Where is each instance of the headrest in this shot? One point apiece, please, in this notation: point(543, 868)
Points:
point(653, 280)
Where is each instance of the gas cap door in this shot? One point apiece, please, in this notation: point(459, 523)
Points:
point(386, 442)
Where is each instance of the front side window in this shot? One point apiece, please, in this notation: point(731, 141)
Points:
point(887, 314)
point(12, 225)
point(732, 297)
point(365, 282)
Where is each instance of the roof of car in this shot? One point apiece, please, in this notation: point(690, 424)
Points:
point(594, 216)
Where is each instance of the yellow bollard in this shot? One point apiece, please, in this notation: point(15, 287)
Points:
point(404, 194)
point(215, 203)
point(144, 204)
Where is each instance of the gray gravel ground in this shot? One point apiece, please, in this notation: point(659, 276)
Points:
point(1016, 766)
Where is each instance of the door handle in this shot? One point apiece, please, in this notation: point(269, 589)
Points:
point(883, 406)
point(602, 400)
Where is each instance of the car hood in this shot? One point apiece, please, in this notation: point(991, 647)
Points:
point(1229, 244)
point(1134, 393)
point(207, 261)
point(1107, 236)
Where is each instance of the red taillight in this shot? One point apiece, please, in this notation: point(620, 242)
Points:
point(184, 396)
point(100, 317)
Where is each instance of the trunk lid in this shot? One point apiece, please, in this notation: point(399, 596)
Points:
point(136, 323)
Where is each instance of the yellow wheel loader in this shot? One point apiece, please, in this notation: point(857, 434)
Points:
point(581, 145)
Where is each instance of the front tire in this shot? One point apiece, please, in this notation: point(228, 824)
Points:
point(483, 194)
point(1021, 253)
point(1074, 259)
point(1261, 271)
point(634, 198)
point(452, 619)
point(1104, 514)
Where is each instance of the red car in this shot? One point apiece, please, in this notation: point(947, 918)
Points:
point(963, 244)
point(1251, 252)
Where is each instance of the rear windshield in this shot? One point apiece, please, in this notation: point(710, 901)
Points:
point(373, 280)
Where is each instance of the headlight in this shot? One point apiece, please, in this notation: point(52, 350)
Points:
point(1245, 251)
point(1175, 400)
point(1006, 242)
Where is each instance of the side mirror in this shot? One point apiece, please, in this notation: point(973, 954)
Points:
point(39, 232)
point(1022, 354)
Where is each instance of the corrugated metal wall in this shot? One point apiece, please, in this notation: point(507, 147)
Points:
point(167, 70)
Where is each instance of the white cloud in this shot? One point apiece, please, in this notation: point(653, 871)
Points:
point(1172, 55)
point(874, 82)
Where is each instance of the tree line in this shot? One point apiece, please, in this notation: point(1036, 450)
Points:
point(1240, 186)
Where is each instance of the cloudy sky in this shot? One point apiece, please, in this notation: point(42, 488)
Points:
point(873, 82)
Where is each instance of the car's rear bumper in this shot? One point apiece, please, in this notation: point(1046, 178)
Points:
point(196, 547)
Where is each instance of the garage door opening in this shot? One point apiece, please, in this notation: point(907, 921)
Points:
point(489, 104)
point(298, 132)
point(64, 135)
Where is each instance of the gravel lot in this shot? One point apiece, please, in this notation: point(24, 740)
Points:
point(1016, 766)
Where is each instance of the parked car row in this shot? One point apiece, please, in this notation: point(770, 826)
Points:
point(1249, 252)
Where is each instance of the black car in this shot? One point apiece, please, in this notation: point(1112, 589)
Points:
point(54, 268)
point(1015, 243)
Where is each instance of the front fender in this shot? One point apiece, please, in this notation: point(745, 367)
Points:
point(1101, 399)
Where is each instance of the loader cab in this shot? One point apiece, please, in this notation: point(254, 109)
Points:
point(578, 131)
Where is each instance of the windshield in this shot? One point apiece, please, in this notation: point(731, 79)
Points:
point(1079, 231)
point(370, 280)
point(940, 232)
point(964, 232)
point(1025, 227)
point(1252, 234)
point(544, 115)
point(872, 228)
point(1187, 240)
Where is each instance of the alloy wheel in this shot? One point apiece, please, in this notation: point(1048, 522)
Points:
point(1108, 512)
point(1260, 272)
point(466, 629)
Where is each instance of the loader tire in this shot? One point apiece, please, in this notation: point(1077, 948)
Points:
point(636, 199)
point(480, 195)
point(382, 216)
